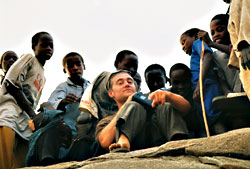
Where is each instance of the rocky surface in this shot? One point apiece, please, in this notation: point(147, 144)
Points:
point(229, 150)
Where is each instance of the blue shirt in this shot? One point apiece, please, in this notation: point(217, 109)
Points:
point(72, 110)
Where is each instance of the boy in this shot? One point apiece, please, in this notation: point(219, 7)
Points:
point(155, 76)
point(19, 96)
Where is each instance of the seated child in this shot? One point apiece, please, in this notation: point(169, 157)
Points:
point(7, 59)
point(180, 81)
point(53, 145)
point(155, 76)
point(19, 95)
point(192, 46)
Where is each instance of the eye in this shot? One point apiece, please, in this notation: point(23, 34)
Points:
point(212, 32)
point(220, 28)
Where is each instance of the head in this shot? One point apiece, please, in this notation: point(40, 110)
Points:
point(155, 76)
point(137, 78)
point(121, 86)
point(218, 29)
point(42, 45)
point(187, 39)
point(73, 65)
point(7, 59)
point(227, 1)
point(126, 60)
point(180, 79)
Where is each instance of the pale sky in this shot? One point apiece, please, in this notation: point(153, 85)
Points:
point(99, 29)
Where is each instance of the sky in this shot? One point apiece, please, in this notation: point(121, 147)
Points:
point(99, 29)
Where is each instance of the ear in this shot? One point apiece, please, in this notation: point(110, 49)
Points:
point(110, 92)
point(64, 71)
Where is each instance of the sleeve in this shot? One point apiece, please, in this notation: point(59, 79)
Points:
point(17, 72)
point(197, 47)
point(101, 125)
point(58, 94)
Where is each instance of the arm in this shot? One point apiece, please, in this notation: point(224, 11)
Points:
point(203, 35)
point(207, 62)
point(70, 99)
point(21, 99)
point(177, 101)
point(107, 134)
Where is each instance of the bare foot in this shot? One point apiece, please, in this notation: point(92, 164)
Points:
point(123, 142)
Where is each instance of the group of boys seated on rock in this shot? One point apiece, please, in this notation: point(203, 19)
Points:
point(81, 120)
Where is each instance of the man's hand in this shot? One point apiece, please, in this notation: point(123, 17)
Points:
point(159, 97)
point(245, 58)
point(203, 35)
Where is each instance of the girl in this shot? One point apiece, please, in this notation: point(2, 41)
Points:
point(7, 59)
point(19, 96)
point(192, 46)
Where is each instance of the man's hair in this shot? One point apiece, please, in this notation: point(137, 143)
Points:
point(180, 66)
point(223, 19)
point(155, 67)
point(109, 85)
point(193, 32)
point(36, 37)
point(120, 56)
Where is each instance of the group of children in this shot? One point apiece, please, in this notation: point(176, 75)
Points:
point(63, 132)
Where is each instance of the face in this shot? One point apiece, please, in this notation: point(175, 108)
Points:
point(44, 48)
point(155, 79)
point(74, 67)
point(8, 60)
point(187, 43)
point(181, 82)
point(122, 86)
point(219, 32)
point(129, 62)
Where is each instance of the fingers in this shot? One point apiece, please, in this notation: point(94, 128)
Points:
point(159, 97)
point(71, 98)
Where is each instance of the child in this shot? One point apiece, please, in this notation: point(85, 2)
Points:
point(155, 76)
point(19, 96)
point(192, 46)
point(229, 78)
point(51, 144)
point(7, 59)
point(180, 80)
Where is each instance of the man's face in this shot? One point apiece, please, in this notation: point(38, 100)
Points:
point(122, 86)
point(155, 79)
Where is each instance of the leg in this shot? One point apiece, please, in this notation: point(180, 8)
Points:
point(131, 123)
point(170, 122)
point(7, 143)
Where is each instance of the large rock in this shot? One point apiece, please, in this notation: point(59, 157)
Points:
point(228, 150)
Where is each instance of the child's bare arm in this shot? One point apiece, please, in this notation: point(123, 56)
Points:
point(21, 99)
point(207, 62)
point(203, 35)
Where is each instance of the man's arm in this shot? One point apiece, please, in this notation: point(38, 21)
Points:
point(107, 135)
point(177, 101)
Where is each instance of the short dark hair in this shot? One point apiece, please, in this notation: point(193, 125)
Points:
point(71, 54)
point(109, 85)
point(193, 32)
point(120, 56)
point(223, 19)
point(153, 67)
point(180, 66)
point(36, 37)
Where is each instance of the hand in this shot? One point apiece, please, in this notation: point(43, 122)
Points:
point(245, 58)
point(46, 105)
point(196, 94)
point(203, 35)
point(70, 99)
point(159, 97)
